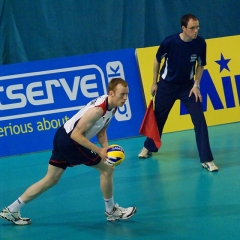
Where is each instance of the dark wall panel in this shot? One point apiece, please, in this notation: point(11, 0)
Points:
point(34, 30)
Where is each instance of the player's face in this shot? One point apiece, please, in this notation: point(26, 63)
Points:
point(119, 96)
point(191, 31)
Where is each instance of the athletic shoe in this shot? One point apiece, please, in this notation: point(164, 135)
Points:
point(14, 217)
point(120, 213)
point(210, 166)
point(144, 153)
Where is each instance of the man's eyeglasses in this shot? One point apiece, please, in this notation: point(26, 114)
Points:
point(193, 28)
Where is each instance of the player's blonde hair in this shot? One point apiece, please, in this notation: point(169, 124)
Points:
point(114, 82)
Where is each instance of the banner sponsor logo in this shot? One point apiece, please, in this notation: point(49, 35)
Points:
point(115, 69)
point(34, 103)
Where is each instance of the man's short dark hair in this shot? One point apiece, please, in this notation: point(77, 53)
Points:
point(185, 19)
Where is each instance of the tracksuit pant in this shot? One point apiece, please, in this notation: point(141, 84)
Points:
point(166, 95)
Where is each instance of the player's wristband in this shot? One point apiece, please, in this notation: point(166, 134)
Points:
point(196, 86)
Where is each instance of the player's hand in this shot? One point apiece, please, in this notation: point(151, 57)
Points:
point(154, 89)
point(103, 153)
point(197, 94)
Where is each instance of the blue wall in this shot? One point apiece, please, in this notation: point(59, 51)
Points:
point(37, 97)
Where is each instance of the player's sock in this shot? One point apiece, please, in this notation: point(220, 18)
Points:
point(15, 206)
point(109, 204)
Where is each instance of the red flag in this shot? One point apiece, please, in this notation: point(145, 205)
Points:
point(149, 126)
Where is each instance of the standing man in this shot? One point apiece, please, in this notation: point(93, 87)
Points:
point(185, 57)
point(71, 147)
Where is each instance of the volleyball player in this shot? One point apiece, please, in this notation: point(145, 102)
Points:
point(72, 147)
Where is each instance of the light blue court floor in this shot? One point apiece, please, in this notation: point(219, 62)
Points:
point(176, 198)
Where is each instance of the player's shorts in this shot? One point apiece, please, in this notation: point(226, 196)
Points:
point(68, 153)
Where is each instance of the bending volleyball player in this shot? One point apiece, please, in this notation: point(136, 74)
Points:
point(71, 147)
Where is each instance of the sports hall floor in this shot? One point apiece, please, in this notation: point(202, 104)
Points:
point(175, 197)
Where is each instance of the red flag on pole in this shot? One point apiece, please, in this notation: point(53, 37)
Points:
point(149, 126)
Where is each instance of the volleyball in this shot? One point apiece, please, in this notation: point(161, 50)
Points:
point(115, 154)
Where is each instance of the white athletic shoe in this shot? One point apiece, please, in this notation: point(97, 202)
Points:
point(14, 217)
point(144, 153)
point(120, 213)
point(210, 166)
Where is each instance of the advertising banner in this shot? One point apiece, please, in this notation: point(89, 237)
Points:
point(38, 97)
point(220, 84)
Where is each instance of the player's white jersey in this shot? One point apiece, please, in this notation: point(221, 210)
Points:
point(102, 122)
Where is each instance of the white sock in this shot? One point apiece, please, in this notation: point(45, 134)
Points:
point(15, 206)
point(109, 204)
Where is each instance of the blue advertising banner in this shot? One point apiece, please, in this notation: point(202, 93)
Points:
point(38, 97)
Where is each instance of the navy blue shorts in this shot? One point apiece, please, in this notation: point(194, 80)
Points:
point(68, 153)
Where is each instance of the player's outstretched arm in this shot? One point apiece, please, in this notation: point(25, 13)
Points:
point(84, 124)
point(102, 137)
